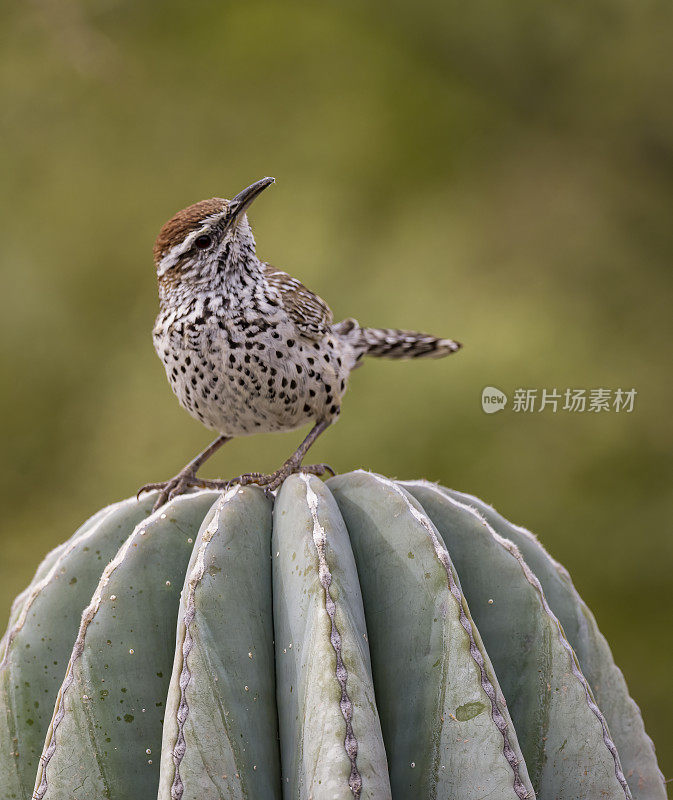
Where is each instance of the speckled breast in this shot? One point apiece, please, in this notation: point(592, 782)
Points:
point(237, 379)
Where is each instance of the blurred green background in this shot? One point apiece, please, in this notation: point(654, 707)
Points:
point(501, 173)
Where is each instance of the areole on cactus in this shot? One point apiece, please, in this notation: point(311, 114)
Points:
point(359, 638)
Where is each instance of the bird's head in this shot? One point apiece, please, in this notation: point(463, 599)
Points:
point(200, 242)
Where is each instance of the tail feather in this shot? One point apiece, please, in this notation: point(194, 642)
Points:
point(392, 343)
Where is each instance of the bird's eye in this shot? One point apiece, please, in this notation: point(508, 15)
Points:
point(202, 242)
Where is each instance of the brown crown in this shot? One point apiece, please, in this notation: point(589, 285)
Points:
point(183, 223)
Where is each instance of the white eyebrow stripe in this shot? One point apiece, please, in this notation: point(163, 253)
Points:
point(173, 255)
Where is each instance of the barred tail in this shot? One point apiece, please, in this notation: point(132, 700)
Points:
point(391, 343)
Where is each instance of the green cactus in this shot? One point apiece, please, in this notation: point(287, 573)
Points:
point(358, 638)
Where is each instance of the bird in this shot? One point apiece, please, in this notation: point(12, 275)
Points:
point(247, 348)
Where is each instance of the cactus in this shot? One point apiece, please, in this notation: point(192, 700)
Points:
point(358, 638)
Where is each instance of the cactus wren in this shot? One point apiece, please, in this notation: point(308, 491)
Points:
point(246, 347)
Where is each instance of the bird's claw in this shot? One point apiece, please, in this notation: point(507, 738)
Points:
point(184, 480)
point(269, 482)
point(172, 488)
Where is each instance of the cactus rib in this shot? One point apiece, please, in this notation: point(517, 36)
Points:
point(436, 716)
point(570, 659)
point(320, 541)
point(87, 616)
point(43, 626)
point(312, 710)
point(193, 580)
point(81, 752)
point(443, 557)
point(220, 731)
point(635, 748)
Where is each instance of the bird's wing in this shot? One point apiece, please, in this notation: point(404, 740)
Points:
point(310, 313)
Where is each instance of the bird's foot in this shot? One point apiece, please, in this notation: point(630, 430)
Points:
point(183, 481)
point(269, 482)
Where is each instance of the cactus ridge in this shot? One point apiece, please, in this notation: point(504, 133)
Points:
point(358, 639)
point(445, 560)
point(572, 658)
point(87, 617)
point(193, 580)
point(320, 541)
point(624, 721)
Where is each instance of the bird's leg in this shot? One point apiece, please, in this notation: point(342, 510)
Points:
point(293, 464)
point(185, 478)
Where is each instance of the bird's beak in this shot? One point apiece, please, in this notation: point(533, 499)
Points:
point(243, 199)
